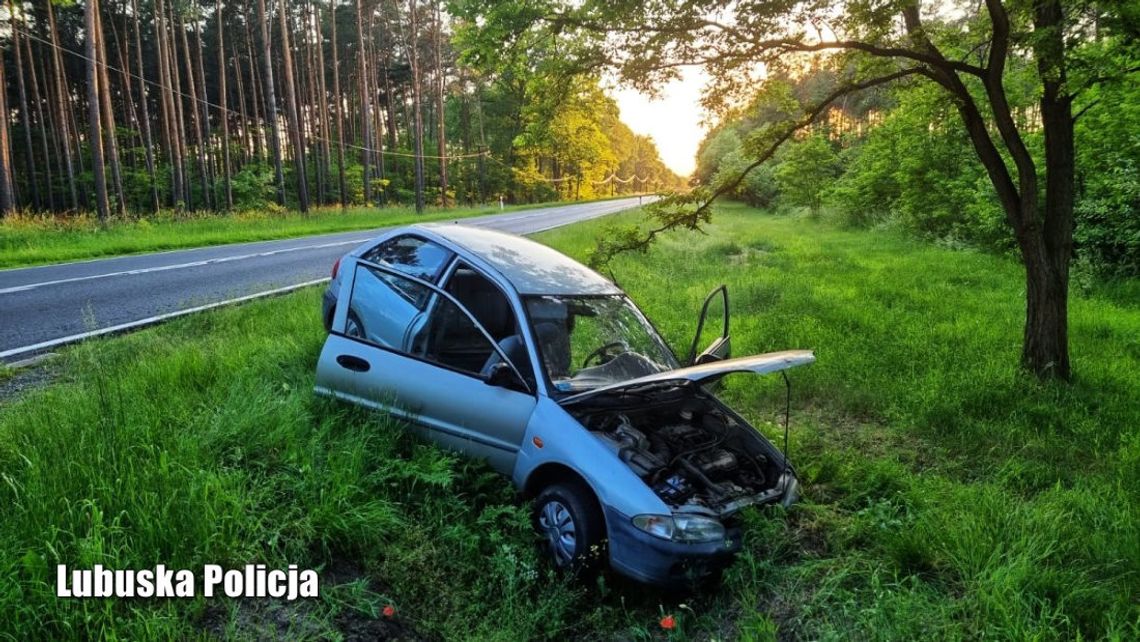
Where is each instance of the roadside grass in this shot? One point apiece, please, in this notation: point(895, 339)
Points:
point(946, 496)
point(31, 239)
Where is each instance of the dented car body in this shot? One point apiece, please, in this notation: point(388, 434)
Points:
point(506, 350)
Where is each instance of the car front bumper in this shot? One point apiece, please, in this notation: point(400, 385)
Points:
point(665, 563)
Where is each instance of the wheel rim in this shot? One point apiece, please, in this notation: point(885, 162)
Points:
point(351, 327)
point(557, 523)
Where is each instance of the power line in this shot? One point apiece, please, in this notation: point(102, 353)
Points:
point(206, 102)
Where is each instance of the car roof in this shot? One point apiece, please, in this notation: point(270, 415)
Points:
point(532, 268)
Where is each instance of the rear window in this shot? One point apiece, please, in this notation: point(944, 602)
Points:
point(411, 255)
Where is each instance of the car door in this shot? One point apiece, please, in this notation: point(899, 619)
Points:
point(395, 357)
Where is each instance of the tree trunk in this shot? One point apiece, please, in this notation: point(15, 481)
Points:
point(243, 115)
point(199, 76)
point(196, 116)
point(1047, 244)
point(25, 113)
point(323, 102)
point(178, 97)
point(223, 111)
point(365, 102)
point(417, 107)
point(63, 106)
point(256, 98)
point(108, 114)
point(45, 146)
point(148, 139)
point(270, 101)
point(7, 193)
point(166, 105)
point(95, 137)
point(338, 110)
point(441, 128)
point(295, 126)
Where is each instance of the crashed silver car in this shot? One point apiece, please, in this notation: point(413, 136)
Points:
point(506, 350)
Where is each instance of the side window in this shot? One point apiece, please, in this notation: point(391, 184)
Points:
point(452, 339)
point(384, 308)
point(411, 255)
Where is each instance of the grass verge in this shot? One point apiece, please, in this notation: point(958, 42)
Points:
point(32, 240)
point(946, 496)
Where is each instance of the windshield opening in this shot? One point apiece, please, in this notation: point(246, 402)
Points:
point(586, 342)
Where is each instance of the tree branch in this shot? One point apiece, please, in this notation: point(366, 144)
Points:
point(606, 249)
point(972, 117)
point(999, 102)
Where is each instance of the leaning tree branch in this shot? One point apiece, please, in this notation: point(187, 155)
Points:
point(607, 249)
point(772, 45)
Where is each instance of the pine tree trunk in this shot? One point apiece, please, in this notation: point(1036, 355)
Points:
point(322, 93)
point(243, 115)
point(417, 108)
point(25, 113)
point(196, 116)
point(204, 109)
point(95, 137)
point(178, 95)
point(365, 102)
point(295, 126)
point(223, 111)
point(270, 101)
point(62, 107)
point(338, 111)
point(108, 115)
point(441, 128)
point(144, 107)
point(45, 146)
point(7, 191)
point(259, 142)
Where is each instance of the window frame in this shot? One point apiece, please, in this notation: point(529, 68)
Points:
point(362, 263)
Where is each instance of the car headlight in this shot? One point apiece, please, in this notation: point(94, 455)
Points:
point(681, 527)
point(657, 525)
point(696, 528)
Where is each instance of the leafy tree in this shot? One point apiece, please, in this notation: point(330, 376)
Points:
point(967, 56)
point(805, 172)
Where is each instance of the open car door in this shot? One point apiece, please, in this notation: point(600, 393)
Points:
point(721, 347)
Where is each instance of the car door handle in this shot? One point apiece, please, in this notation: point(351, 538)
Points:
point(353, 363)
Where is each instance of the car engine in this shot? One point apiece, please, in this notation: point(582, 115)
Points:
point(689, 453)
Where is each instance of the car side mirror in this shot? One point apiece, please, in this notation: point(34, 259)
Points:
point(502, 375)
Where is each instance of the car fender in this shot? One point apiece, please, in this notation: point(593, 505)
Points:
point(566, 442)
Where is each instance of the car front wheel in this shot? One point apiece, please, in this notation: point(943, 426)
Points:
point(571, 525)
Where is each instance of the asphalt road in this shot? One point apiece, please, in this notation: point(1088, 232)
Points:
point(46, 306)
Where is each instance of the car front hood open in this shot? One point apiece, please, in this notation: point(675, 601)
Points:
point(707, 372)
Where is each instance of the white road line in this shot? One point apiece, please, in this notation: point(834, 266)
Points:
point(133, 325)
point(148, 321)
point(177, 266)
point(499, 219)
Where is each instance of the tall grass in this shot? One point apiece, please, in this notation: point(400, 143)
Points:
point(947, 496)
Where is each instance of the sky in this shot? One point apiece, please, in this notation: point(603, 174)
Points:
point(673, 120)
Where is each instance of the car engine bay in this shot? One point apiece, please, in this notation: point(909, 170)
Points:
point(692, 454)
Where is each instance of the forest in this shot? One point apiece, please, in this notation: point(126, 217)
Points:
point(213, 106)
point(900, 158)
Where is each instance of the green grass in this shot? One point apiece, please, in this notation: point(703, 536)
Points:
point(34, 239)
point(946, 496)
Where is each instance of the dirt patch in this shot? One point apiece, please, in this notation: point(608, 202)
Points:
point(326, 618)
point(19, 381)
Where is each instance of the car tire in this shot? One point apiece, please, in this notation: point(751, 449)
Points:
point(573, 531)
